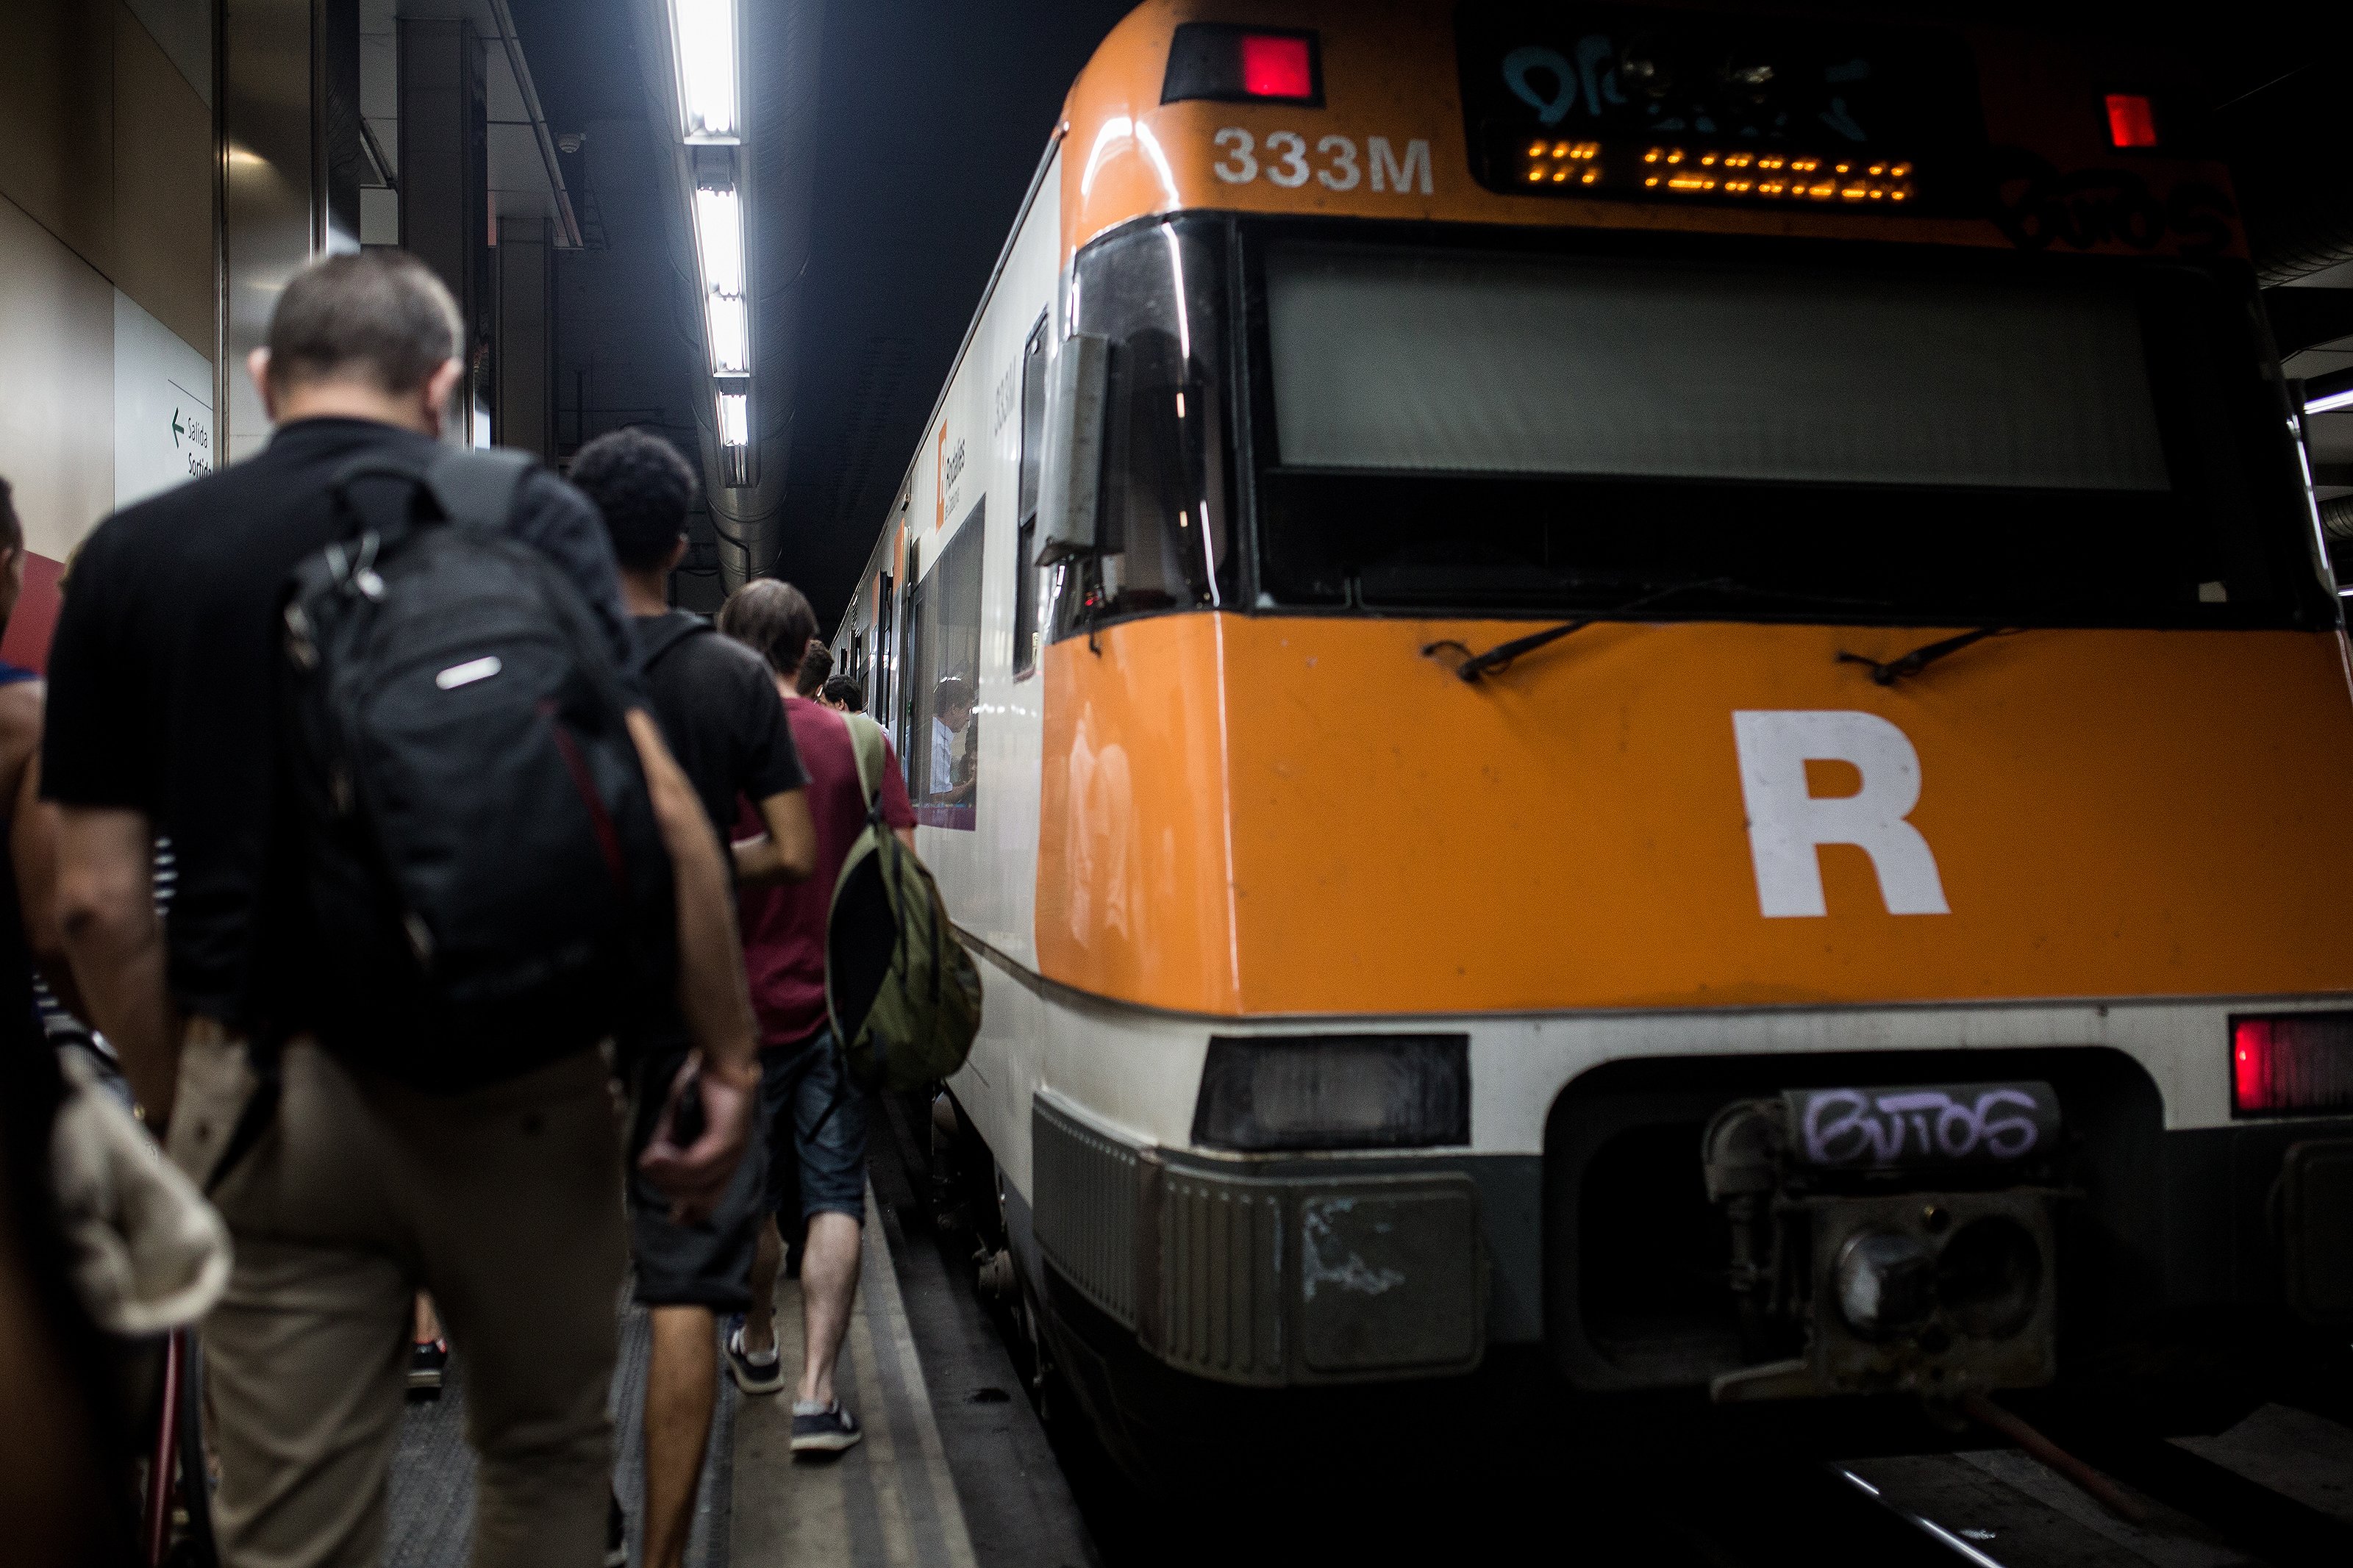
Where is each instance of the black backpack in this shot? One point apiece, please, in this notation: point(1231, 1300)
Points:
point(486, 878)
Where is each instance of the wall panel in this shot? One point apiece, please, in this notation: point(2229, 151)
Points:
point(56, 424)
point(163, 187)
point(57, 119)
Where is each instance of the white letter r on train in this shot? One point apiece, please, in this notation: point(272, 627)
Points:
point(1786, 823)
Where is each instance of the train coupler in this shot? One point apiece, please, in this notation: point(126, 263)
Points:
point(1895, 1240)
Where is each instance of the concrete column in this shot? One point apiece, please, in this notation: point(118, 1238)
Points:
point(445, 196)
point(526, 340)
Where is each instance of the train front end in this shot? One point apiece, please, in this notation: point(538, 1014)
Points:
point(1692, 720)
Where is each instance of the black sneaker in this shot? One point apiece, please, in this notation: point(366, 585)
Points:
point(617, 1533)
point(427, 1360)
point(824, 1428)
point(756, 1376)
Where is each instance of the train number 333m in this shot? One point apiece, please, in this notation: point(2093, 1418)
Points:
point(1286, 160)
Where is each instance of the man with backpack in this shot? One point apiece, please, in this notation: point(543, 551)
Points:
point(815, 1123)
point(721, 717)
point(382, 695)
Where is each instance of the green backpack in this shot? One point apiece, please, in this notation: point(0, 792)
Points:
point(902, 993)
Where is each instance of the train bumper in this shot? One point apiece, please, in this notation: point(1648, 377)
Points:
point(1264, 1273)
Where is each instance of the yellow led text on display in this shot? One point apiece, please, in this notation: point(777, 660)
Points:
point(1782, 177)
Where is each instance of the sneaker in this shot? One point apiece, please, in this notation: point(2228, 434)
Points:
point(753, 1375)
point(823, 1428)
point(427, 1360)
point(617, 1533)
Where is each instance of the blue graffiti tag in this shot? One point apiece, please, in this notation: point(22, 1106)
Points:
point(1518, 67)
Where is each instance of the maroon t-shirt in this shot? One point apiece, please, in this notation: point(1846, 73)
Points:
point(784, 923)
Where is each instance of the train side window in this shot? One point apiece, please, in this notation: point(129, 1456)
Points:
point(1026, 632)
point(943, 686)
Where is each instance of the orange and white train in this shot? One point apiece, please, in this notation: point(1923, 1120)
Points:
point(1636, 696)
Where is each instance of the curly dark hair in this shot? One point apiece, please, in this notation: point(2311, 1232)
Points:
point(644, 487)
point(847, 690)
point(12, 531)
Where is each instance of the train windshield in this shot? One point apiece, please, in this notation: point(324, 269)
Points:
point(1448, 430)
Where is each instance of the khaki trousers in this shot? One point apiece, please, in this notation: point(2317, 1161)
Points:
point(504, 1204)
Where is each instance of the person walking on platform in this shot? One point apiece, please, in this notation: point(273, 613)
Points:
point(62, 1491)
point(721, 717)
point(817, 668)
point(359, 1144)
point(813, 1122)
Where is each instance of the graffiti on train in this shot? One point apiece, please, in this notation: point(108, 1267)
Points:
point(1936, 1123)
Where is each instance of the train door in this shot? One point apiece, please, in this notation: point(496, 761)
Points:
point(1025, 532)
point(903, 711)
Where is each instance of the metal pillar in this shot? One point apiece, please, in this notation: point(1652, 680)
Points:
point(444, 201)
point(526, 342)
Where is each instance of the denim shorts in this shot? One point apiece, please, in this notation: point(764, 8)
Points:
point(702, 1265)
point(815, 1127)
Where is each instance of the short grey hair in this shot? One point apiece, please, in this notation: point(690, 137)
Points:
point(379, 316)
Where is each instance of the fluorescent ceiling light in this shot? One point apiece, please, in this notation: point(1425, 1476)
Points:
point(703, 34)
point(735, 419)
point(2330, 404)
point(730, 337)
point(719, 235)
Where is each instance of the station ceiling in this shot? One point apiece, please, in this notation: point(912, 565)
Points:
point(891, 143)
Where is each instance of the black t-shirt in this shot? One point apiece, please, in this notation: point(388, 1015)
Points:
point(164, 689)
point(720, 714)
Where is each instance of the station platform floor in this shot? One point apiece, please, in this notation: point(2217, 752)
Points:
point(954, 1471)
point(957, 1471)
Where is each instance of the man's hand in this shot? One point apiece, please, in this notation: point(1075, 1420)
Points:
point(787, 851)
point(711, 992)
point(106, 921)
point(696, 1175)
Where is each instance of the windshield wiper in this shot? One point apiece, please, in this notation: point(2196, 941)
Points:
point(1920, 659)
point(1499, 658)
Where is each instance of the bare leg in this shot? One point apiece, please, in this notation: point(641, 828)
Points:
point(682, 1389)
point(429, 1322)
point(760, 1318)
point(829, 1286)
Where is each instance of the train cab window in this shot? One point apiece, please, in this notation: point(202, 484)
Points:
point(1950, 444)
point(943, 731)
point(1163, 534)
point(1026, 632)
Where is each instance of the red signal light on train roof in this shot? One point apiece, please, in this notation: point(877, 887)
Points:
point(1277, 65)
point(1229, 64)
point(2132, 121)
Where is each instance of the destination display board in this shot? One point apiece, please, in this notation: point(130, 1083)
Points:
point(1679, 107)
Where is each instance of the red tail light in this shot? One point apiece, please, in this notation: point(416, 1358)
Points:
point(1229, 64)
point(2132, 121)
point(2292, 1064)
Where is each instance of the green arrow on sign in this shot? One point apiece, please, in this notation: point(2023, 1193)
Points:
point(176, 428)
